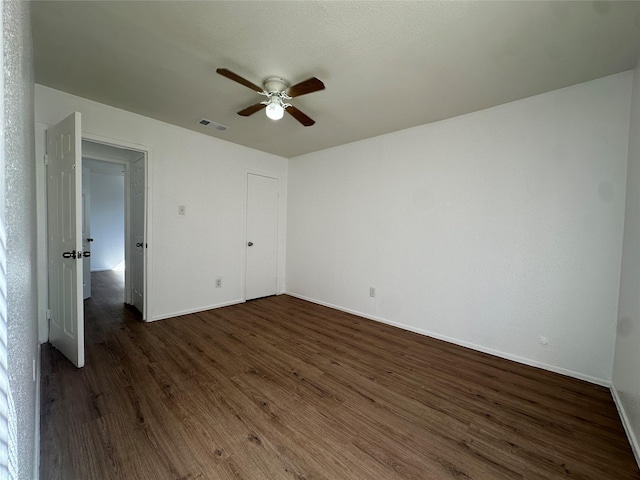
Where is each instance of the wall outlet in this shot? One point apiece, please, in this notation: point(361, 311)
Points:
point(181, 210)
point(219, 282)
point(372, 292)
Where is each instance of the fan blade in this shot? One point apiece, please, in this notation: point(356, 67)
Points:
point(252, 109)
point(237, 78)
point(308, 86)
point(301, 117)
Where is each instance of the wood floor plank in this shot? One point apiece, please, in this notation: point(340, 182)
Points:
point(279, 388)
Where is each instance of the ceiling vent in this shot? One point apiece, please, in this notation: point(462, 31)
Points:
point(211, 123)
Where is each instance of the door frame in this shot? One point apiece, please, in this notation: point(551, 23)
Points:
point(282, 227)
point(41, 220)
point(146, 152)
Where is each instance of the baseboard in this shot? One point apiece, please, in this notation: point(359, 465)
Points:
point(36, 435)
point(463, 343)
point(193, 310)
point(633, 440)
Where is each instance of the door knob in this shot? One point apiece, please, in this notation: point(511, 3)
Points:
point(138, 244)
point(89, 239)
point(71, 254)
point(250, 244)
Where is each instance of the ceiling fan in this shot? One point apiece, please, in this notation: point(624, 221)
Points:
point(277, 91)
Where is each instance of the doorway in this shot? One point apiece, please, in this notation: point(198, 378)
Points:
point(103, 219)
point(114, 219)
point(62, 320)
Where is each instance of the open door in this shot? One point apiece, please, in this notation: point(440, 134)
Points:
point(64, 224)
point(138, 234)
point(86, 233)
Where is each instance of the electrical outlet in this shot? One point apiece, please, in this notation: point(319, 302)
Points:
point(219, 282)
point(372, 292)
point(181, 210)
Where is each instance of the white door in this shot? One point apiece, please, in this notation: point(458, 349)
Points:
point(86, 232)
point(262, 237)
point(137, 234)
point(64, 223)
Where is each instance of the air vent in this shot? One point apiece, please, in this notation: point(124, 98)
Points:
point(210, 123)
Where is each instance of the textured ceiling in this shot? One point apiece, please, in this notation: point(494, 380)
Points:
point(386, 65)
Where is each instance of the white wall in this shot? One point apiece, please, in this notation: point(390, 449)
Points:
point(488, 230)
point(206, 175)
point(107, 220)
point(626, 367)
point(20, 218)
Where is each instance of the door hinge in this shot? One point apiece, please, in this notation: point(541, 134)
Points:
point(48, 314)
point(46, 159)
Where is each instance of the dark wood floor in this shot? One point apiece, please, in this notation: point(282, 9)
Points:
point(280, 388)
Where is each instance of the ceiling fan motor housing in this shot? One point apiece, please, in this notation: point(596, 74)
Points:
point(275, 84)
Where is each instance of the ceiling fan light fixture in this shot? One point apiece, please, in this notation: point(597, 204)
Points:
point(275, 110)
point(277, 91)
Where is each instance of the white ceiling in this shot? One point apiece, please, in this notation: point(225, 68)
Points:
point(387, 65)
